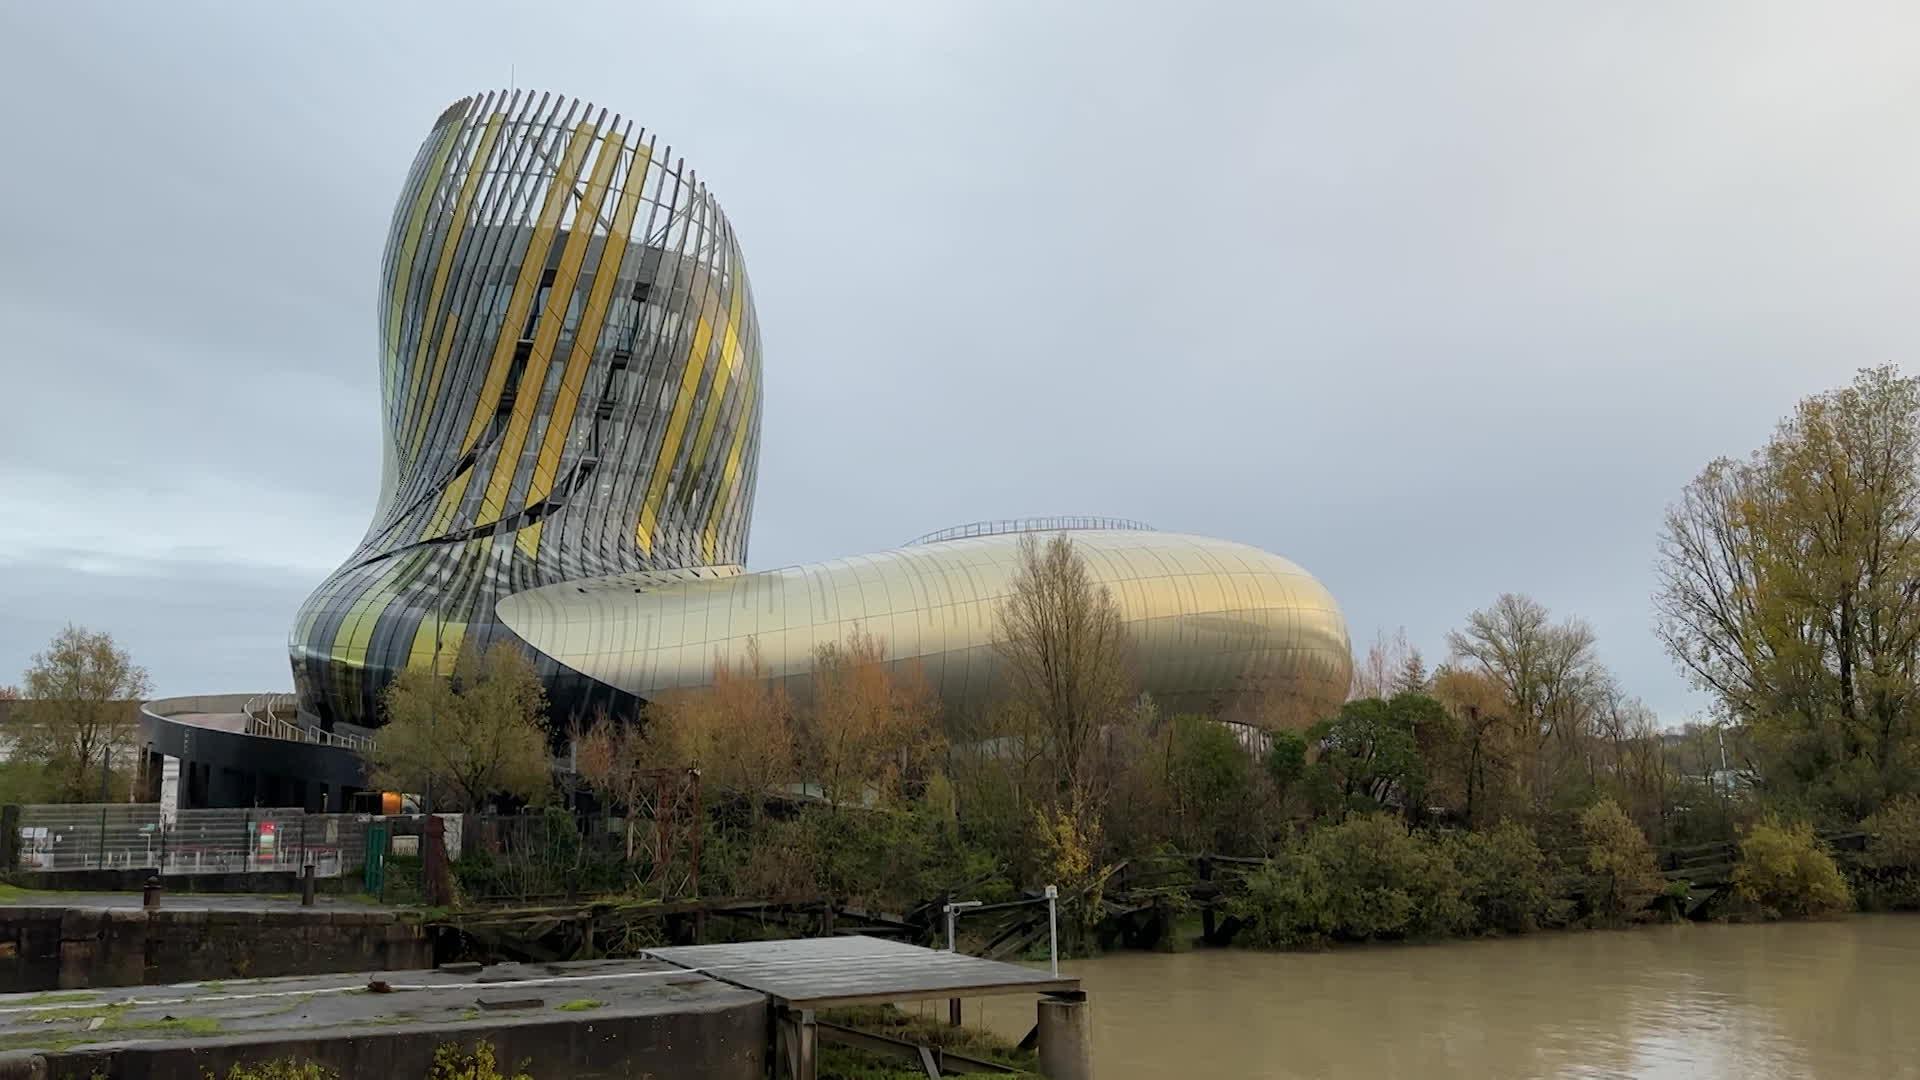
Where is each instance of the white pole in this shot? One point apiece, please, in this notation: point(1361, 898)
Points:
point(1053, 927)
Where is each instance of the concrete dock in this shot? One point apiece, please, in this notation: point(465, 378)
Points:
point(585, 1019)
point(803, 976)
point(723, 1012)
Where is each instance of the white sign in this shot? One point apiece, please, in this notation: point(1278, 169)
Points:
point(170, 791)
point(450, 837)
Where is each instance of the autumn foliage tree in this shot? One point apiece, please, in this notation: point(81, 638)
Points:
point(469, 738)
point(1620, 861)
point(738, 731)
point(619, 759)
point(868, 726)
point(1790, 589)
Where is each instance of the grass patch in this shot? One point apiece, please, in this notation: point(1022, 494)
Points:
point(76, 1028)
point(63, 998)
point(846, 1063)
point(15, 894)
point(581, 1005)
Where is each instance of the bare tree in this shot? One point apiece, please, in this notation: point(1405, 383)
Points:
point(467, 739)
point(1392, 665)
point(82, 699)
point(620, 760)
point(1547, 672)
point(1065, 655)
point(1486, 758)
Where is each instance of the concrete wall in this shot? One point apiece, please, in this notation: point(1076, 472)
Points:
point(712, 1041)
point(50, 948)
point(262, 882)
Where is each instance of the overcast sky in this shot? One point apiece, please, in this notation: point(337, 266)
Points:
point(1439, 300)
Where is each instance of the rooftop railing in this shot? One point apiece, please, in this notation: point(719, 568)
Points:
point(1004, 526)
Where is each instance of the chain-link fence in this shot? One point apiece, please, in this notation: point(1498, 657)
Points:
point(114, 836)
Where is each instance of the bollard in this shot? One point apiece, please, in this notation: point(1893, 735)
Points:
point(306, 886)
point(150, 894)
point(1066, 1039)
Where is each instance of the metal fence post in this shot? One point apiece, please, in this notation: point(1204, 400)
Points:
point(101, 860)
point(1053, 927)
point(10, 846)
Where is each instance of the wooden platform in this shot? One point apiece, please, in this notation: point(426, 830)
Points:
point(821, 973)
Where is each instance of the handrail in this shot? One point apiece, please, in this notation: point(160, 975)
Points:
point(1005, 526)
point(262, 722)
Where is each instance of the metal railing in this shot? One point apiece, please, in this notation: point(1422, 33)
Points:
point(120, 836)
point(1033, 524)
point(263, 720)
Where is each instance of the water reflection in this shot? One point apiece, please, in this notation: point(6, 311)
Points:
point(1838, 999)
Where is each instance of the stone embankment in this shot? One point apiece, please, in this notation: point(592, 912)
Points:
point(83, 945)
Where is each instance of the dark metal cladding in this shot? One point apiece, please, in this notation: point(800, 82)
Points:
point(570, 387)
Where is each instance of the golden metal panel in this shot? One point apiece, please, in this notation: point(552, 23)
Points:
point(676, 427)
point(1194, 646)
point(425, 391)
point(587, 339)
point(533, 381)
point(403, 265)
point(532, 266)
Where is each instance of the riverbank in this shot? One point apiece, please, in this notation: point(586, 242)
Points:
point(1791, 999)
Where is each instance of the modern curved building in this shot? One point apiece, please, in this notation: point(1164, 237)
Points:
point(570, 376)
point(1209, 619)
point(570, 386)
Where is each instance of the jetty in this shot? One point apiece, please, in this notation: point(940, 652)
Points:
point(729, 1012)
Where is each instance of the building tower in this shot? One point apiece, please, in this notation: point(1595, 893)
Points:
point(570, 388)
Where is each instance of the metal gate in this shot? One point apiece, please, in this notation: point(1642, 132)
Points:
point(376, 860)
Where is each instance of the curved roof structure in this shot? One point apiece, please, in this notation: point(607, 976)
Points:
point(1208, 618)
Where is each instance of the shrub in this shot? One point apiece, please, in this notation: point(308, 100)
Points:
point(1383, 881)
point(1624, 877)
point(1893, 834)
point(277, 1069)
point(451, 1062)
point(1285, 902)
point(1890, 867)
point(1372, 866)
point(1365, 879)
point(1784, 871)
point(1507, 880)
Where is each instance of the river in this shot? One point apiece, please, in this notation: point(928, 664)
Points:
point(1821, 999)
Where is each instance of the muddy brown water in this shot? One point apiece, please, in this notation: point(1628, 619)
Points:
point(1823, 999)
